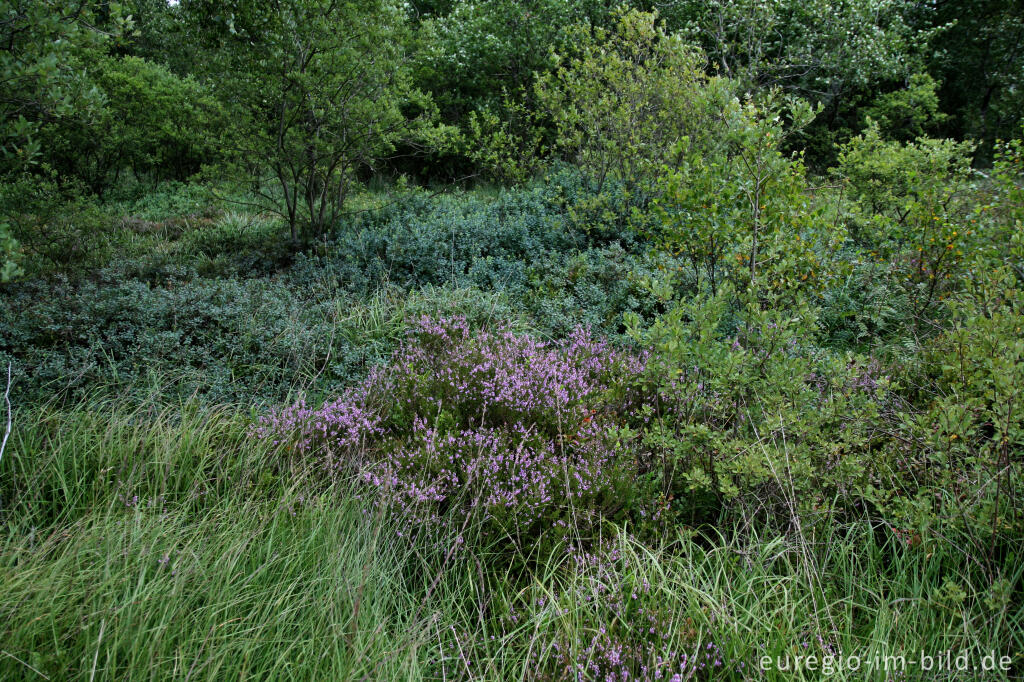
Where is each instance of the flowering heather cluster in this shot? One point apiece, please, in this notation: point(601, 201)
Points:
point(494, 423)
point(342, 424)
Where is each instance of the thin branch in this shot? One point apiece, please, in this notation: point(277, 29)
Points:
point(7, 400)
point(7, 432)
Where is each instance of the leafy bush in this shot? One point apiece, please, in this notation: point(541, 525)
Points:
point(58, 224)
point(961, 451)
point(743, 214)
point(48, 46)
point(1002, 212)
point(622, 96)
point(912, 210)
point(908, 113)
point(469, 54)
point(155, 125)
point(744, 414)
point(167, 201)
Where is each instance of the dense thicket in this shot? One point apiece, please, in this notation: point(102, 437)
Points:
point(503, 340)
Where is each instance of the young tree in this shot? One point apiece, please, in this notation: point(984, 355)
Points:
point(623, 98)
point(742, 214)
point(322, 90)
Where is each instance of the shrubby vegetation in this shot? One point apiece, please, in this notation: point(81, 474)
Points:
point(500, 340)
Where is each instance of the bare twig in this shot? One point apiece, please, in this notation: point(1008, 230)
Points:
point(10, 418)
point(7, 400)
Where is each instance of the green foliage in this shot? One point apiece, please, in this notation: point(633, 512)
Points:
point(802, 396)
point(328, 94)
point(215, 302)
point(469, 55)
point(742, 213)
point(961, 451)
point(746, 414)
point(1003, 212)
point(912, 209)
point(811, 47)
point(47, 48)
point(57, 224)
point(977, 60)
point(9, 268)
point(862, 308)
point(621, 97)
point(508, 146)
point(153, 123)
point(908, 113)
point(223, 339)
point(523, 243)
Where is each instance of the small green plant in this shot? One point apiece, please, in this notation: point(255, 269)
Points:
point(8, 254)
point(961, 449)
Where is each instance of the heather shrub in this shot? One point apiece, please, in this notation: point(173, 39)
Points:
point(497, 428)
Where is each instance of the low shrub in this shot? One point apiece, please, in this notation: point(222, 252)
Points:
point(498, 428)
point(226, 340)
point(913, 211)
point(58, 225)
point(958, 458)
point(215, 303)
point(563, 265)
point(744, 415)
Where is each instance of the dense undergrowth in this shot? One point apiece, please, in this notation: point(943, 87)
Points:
point(163, 541)
point(468, 490)
point(669, 405)
point(213, 306)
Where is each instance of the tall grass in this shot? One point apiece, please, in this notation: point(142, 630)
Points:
point(162, 542)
